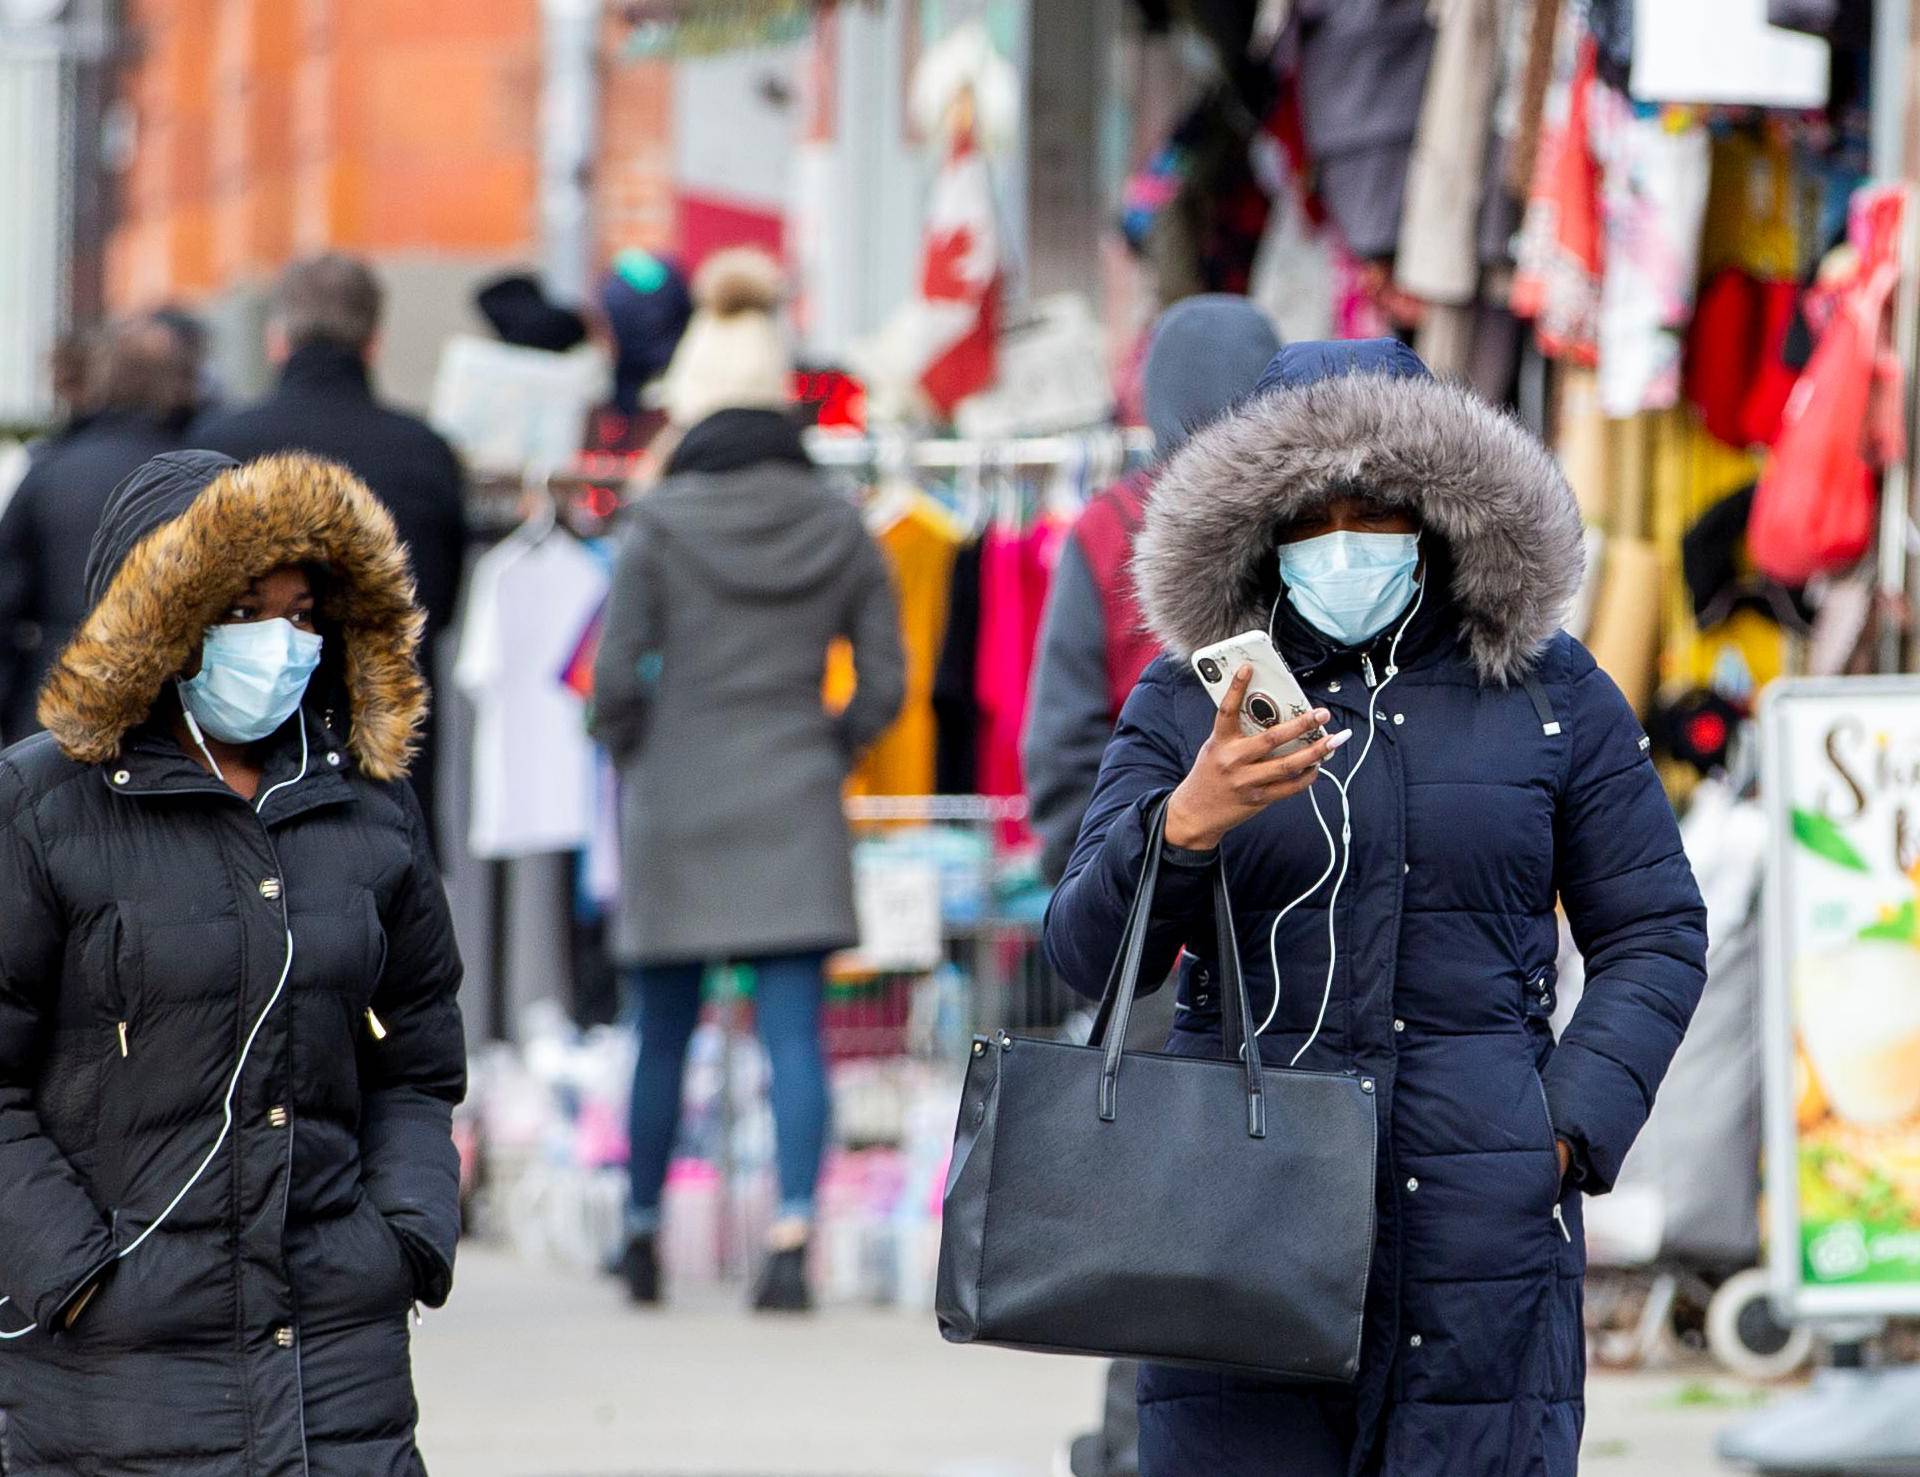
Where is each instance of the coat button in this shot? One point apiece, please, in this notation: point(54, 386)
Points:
point(1366, 1084)
point(1399, 718)
point(333, 758)
point(283, 1335)
point(1398, 1024)
point(1414, 1342)
point(269, 888)
point(1412, 1184)
point(1333, 687)
point(121, 776)
point(277, 1116)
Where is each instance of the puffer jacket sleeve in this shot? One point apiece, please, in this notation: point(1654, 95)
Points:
point(412, 1078)
point(872, 628)
point(1143, 764)
point(1636, 914)
point(53, 1239)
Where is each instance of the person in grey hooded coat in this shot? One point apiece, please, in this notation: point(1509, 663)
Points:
point(736, 574)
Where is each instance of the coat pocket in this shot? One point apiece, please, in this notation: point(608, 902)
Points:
point(1557, 1215)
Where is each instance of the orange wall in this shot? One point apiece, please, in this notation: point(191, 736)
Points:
point(266, 128)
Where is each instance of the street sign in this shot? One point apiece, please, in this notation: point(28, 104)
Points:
point(1841, 783)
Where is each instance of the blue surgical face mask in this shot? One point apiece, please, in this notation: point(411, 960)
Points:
point(1349, 586)
point(251, 678)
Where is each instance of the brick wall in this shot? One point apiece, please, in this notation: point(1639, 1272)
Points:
point(266, 128)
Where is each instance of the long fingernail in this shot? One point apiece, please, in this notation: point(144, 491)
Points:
point(1321, 715)
point(1338, 739)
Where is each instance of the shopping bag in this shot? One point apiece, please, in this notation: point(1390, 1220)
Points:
point(1813, 512)
point(1205, 1211)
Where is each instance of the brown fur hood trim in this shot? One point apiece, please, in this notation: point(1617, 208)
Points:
point(179, 579)
point(1472, 475)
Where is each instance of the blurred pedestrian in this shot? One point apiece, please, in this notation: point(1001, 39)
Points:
point(735, 575)
point(1411, 550)
point(323, 333)
point(1204, 355)
point(128, 409)
point(199, 390)
point(229, 1043)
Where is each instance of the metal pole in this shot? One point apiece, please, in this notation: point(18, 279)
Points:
point(569, 102)
point(1892, 103)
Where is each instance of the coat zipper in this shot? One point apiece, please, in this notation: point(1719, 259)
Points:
point(378, 1031)
point(1553, 1141)
point(1366, 669)
point(120, 1030)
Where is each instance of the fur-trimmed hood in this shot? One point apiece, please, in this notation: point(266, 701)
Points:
point(182, 537)
point(1205, 560)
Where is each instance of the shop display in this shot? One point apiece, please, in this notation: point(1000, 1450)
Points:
point(1843, 1004)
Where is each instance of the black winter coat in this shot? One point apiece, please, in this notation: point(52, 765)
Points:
point(1474, 812)
point(45, 533)
point(324, 405)
point(229, 1043)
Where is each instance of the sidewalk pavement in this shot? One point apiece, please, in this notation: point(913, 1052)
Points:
point(533, 1372)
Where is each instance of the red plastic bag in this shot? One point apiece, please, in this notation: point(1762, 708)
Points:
point(1814, 510)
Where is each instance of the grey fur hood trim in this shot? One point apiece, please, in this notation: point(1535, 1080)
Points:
point(1204, 564)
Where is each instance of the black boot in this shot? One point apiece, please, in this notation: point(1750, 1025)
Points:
point(783, 1283)
point(640, 1270)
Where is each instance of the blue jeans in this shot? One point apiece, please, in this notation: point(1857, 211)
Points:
point(786, 1006)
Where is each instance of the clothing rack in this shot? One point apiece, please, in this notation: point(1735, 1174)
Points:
point(830, 449)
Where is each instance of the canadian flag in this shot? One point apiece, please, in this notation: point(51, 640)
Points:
point(960, 282)
point(941, 341)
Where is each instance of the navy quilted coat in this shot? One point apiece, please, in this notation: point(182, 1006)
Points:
point(276, 1220)
point(1473, 814)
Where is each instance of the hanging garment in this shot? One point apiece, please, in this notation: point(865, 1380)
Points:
point(1363, 70)
point(1557, 279)
point(1439, 256)
point(1815, 507)
point(1015, 568)
point(956, 709)
point(1294, 276)
point(920, 542)
point(1654, 193)
point(1760, 209)
point(528, 602)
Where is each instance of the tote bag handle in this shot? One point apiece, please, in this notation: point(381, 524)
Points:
point(1123, 983)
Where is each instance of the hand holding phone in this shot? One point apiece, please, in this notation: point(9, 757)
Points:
point(1236, 775)
point(1273, 696)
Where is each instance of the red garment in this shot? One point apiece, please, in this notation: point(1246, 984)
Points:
point(1722, 346)
point(1773, 381)
point(1813, 512)
point(1015, 570)
point(1557, 279)
point(1106, 532)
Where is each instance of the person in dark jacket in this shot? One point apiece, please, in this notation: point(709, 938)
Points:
point(325, 323)
point(1412, 550)
point(1206, 353)
point(134, 388)
point(735, 575)
point(229, 1044)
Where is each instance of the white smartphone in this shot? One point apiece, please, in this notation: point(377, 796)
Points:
point(1273, 697)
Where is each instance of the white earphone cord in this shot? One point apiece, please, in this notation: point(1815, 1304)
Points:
point(246, 1049)
point(1345, 849)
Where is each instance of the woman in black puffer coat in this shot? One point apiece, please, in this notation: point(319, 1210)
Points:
point(229, 1043)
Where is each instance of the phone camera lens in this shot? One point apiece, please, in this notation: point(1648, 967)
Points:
point(1209, 669)
point(1263, 710)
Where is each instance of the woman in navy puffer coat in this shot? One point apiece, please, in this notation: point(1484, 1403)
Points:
point(1506, 773)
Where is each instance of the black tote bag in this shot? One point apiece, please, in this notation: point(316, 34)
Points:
point(1136, 1205)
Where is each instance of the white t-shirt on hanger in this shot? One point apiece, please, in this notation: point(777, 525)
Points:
point(533, 765)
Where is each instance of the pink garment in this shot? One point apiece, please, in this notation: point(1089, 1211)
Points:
point(1015, 569)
